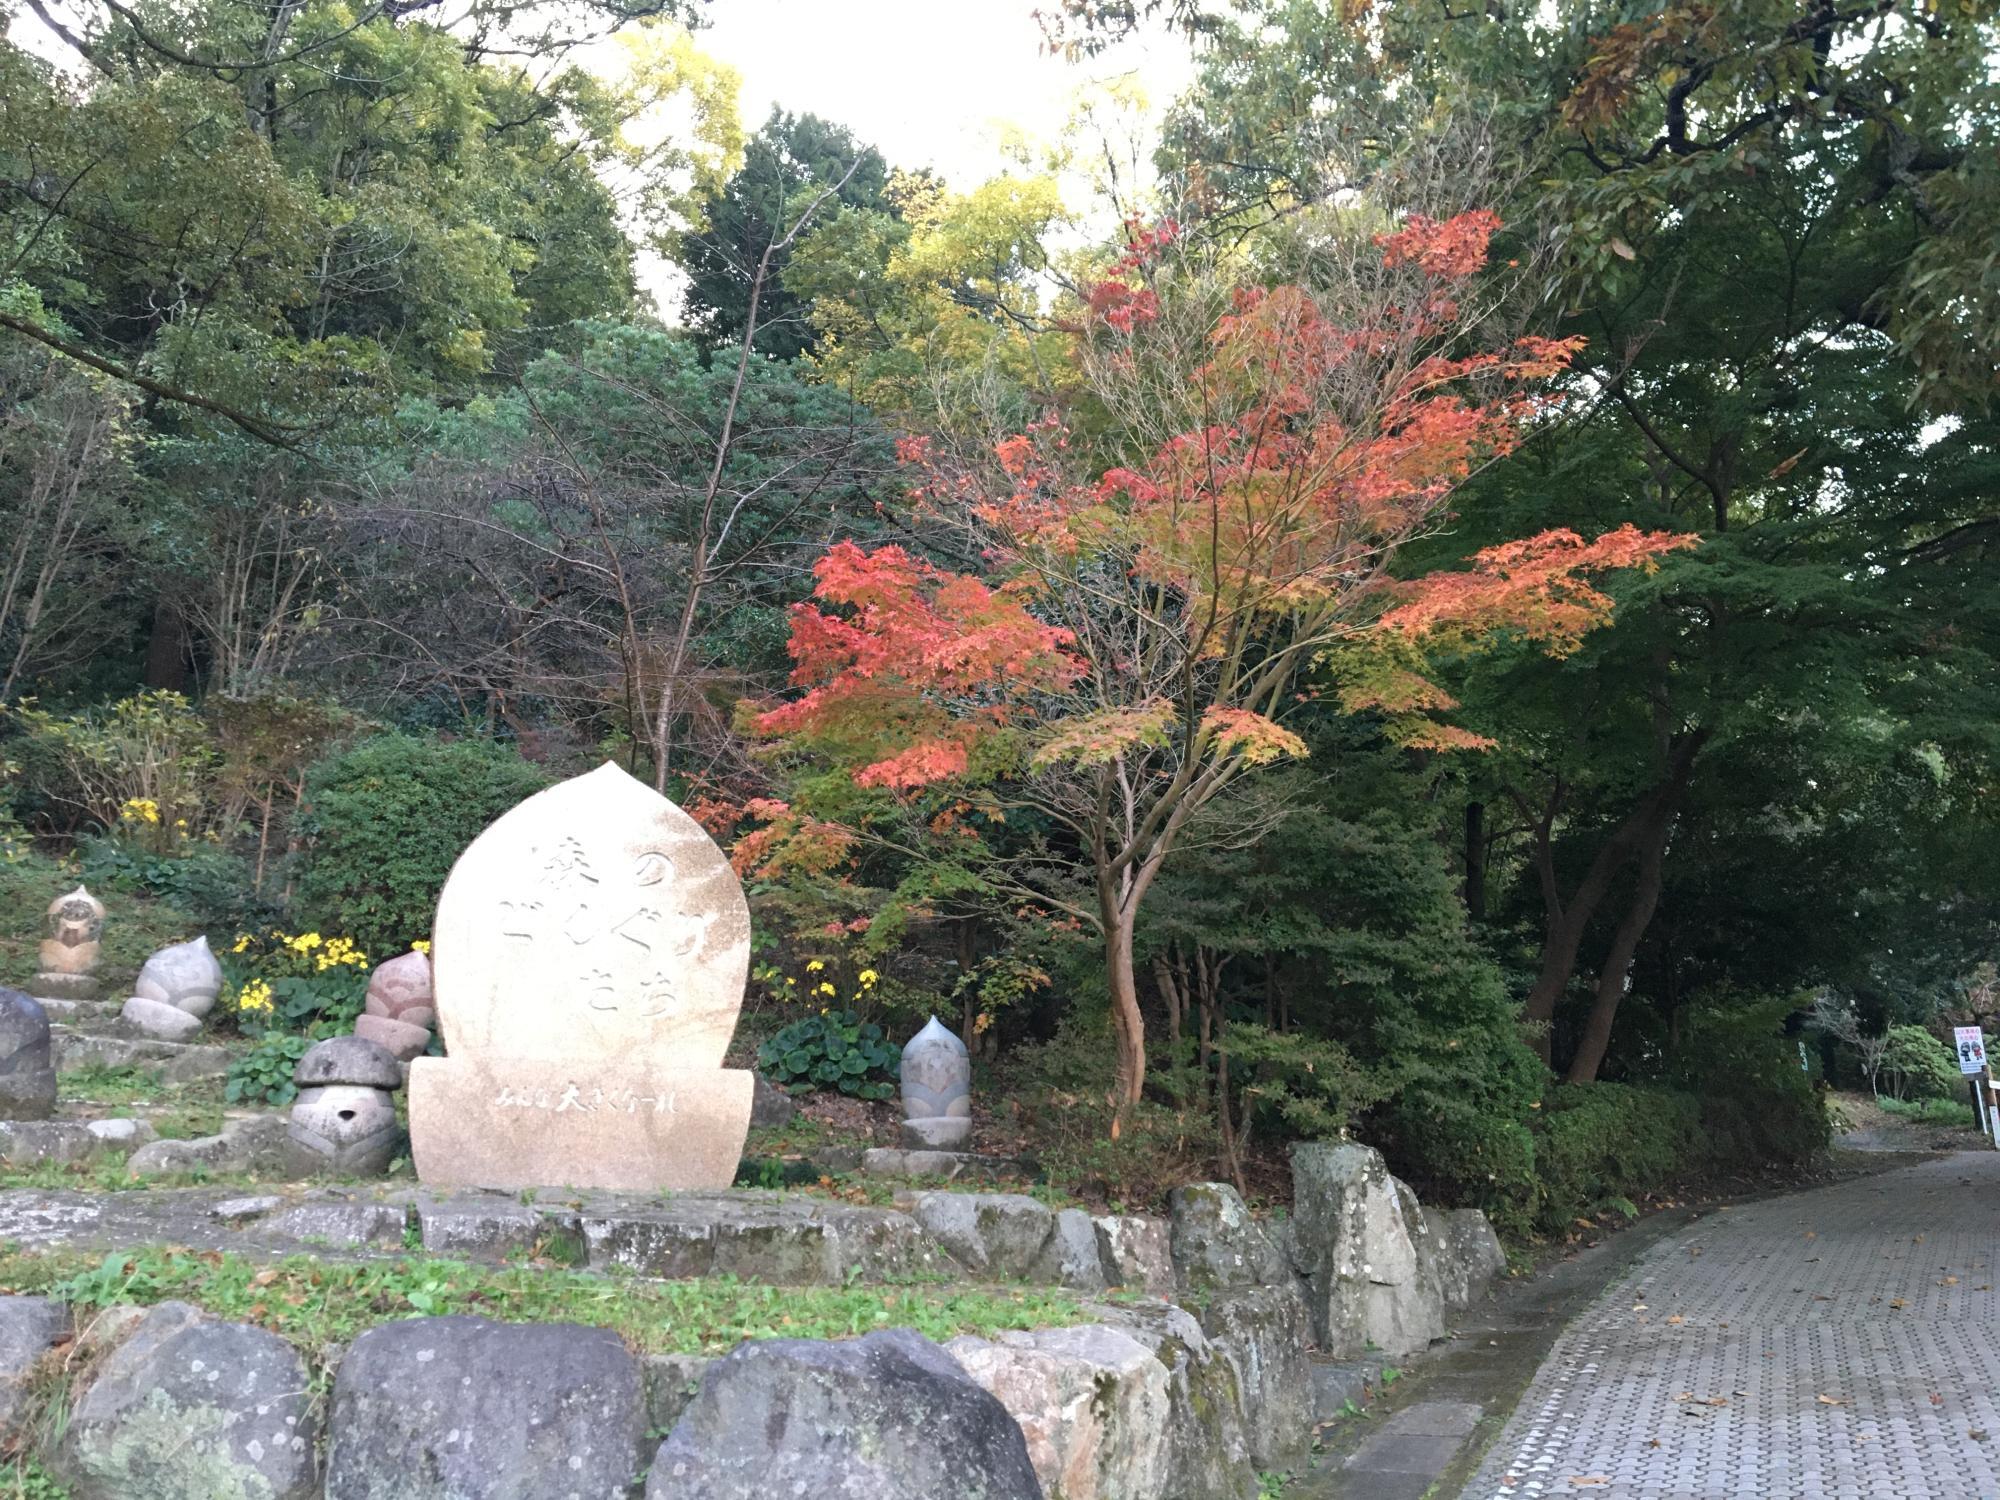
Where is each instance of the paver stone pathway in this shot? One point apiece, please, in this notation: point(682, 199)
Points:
point(1843, 1342)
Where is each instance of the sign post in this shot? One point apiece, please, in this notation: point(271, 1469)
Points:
point(1971, 1045)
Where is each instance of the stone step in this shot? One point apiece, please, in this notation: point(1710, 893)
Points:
point(172, 1062)
point(27, 1143)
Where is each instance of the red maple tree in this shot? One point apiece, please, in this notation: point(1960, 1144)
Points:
point(1160, 580)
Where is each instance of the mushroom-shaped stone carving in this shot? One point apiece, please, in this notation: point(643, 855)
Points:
point(185, 976)
point(27, 1072)
point(344, 1120)
point(69, 951)
point(400, 1008)
point(937, 1089)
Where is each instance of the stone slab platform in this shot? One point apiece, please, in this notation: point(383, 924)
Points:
point(766, 1237)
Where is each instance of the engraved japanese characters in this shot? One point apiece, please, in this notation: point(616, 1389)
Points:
point(590, 953)
point(937, 1090)
point(69, 951)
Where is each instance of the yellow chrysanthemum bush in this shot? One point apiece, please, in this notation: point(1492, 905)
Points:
point(286, 981)
point(833, 1045)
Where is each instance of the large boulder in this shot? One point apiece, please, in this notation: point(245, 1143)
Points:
point(29, 1328)
point(1136, 1253)
point(468, 1409)
point(1216, 1242)
point(991, 1234)
point(1465, 1254)
point(887, 1417)
point(1265, 1331)
point(1092, 1403)
point(1208, 1448)
point(189, 1409)
point(1360, 1241)
point(1069, 1256)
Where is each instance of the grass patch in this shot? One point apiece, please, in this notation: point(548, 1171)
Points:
point(314, 1303)
point(25, 1479)
point(96, 1084)
point(109, 1174)
point(1945, 1112)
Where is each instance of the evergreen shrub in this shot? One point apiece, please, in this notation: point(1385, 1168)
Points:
point(384, 820)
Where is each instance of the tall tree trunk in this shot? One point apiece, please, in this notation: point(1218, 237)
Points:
point(166, 648)
point(1566, 921)
point(1616, 972)
point(1475, 861)
point(1128, 1022)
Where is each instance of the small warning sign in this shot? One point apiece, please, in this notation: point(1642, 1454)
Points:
point(1971, 1049)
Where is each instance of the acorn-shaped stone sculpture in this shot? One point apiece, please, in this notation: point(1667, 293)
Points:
point(344, 1120)
point(27, 1070)
point(176, 988)
point(937, 1090)
point(401, 1007)
point(185, 976)
point(69, 950)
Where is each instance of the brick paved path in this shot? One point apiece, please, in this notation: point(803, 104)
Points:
point(1839, 1343)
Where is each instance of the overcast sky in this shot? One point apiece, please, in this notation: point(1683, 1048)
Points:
point(927, 82)
point(944, 84)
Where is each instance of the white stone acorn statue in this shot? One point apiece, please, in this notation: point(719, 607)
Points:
point(69, 952)
point(185, 976)
point(937, 1090)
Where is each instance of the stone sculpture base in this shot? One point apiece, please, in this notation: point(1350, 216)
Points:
point(66, 986)
point(520, 1122)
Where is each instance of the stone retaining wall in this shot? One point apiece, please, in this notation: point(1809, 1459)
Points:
point(1153, 1399)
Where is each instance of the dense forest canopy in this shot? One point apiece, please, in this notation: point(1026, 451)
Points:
point(1458, 609)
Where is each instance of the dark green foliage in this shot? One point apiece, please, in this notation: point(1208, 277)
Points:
point(385, 820)
point(1613, 1140)
point(1919, 1066)
point(785, 166)
point(1945, 1112)
point(212, 884)
point(263, 1075)
point(836, 1050)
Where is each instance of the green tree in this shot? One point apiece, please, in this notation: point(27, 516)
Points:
point(787, 163)
point(1754, 218)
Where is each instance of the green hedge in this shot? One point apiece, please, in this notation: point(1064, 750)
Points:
point(383, 822)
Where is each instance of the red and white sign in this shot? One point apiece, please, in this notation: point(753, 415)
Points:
point(1971, 1049)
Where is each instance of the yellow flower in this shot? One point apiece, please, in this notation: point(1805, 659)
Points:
point(254, 996)
point(868, 976)
point(814, 967)
point(139, 810)
point(826, 989)
point(421, 945)
point(242, 943)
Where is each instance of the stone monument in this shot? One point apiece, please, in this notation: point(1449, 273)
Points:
point(937, 1090)
point(400, 1008)
point(27, 1067)
point(590, 953)
point(69, 952)
point(344, 1120)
